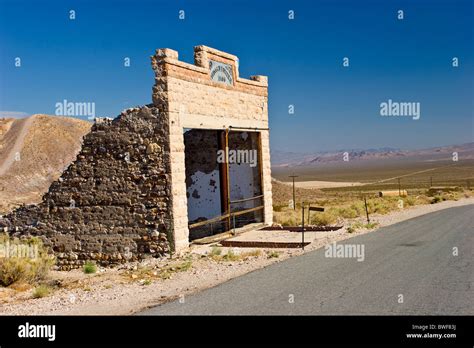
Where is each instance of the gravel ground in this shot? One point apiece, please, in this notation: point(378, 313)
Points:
point(123, 290)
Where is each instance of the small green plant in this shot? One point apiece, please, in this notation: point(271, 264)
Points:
point(231, 256)
point(254, 253)
point(165, 274)
point(41, 291)
point(215, 251)
point(350, 229)
point(358, 225)
point(273, 254)
point(147, 282)
point(90, 267)
point(436, 199)
point(183, 267)
point(371, 225)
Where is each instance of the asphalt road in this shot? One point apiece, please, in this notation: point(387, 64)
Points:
point(411, 261)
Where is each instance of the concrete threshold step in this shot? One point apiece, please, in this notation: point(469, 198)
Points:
point(229, 234)
point(261, 244)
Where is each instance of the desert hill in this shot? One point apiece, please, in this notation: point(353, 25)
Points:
point(33, 153)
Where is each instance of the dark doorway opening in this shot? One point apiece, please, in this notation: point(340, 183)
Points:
point(223, 180)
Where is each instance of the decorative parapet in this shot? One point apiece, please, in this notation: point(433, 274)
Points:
point(211, 67)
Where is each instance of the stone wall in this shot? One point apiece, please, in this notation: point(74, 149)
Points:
point(112, 203)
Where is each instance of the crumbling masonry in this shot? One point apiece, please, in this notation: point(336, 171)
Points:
point(125, 195)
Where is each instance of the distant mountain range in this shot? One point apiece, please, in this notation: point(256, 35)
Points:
point(284, 159)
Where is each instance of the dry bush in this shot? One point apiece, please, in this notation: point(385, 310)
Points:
point(325, 218)
point(20, 267)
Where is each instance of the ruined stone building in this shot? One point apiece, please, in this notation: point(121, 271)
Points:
point(157, 177)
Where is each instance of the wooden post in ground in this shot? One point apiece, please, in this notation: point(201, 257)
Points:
point(302, 225)
point(366, 210)
point(294, 195)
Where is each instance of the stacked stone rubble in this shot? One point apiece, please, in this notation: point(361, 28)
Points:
point(112, 203)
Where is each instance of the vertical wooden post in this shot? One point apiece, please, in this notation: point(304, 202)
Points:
point(366, 210)
point(302, 225)
point(234, 225)
point(228, 174)
point(260, 173)
point(224, 177)
point(294, 195)
point(309, 213)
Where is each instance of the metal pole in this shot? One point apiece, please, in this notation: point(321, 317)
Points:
point(399, 188)
point(431, 181)
point(302, 226)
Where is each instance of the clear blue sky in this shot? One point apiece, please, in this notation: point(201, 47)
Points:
point(335, 107)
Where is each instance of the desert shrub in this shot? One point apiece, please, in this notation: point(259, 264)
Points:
point(41, 291)
point(273, 254)
point(278, 208)
point(231, 256)
point(89, 267)
point(350, 229)
point(359, 208)
point(25, 260)
point(358, 225)
point(325, 218)
point(290, 221)
point(436, 199)
point(354, 227)
point(184, 266)
point(371, 225)
point(288, 217)
point(215, 251)
point(382, 206)
point(348, 212)
point(409, 201)
point(422, 199)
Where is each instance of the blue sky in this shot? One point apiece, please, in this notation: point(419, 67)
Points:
point(335, 107)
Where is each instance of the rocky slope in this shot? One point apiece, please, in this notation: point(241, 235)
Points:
point(34, 151)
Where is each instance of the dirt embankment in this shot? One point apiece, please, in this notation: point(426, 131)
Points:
point(33, 153)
